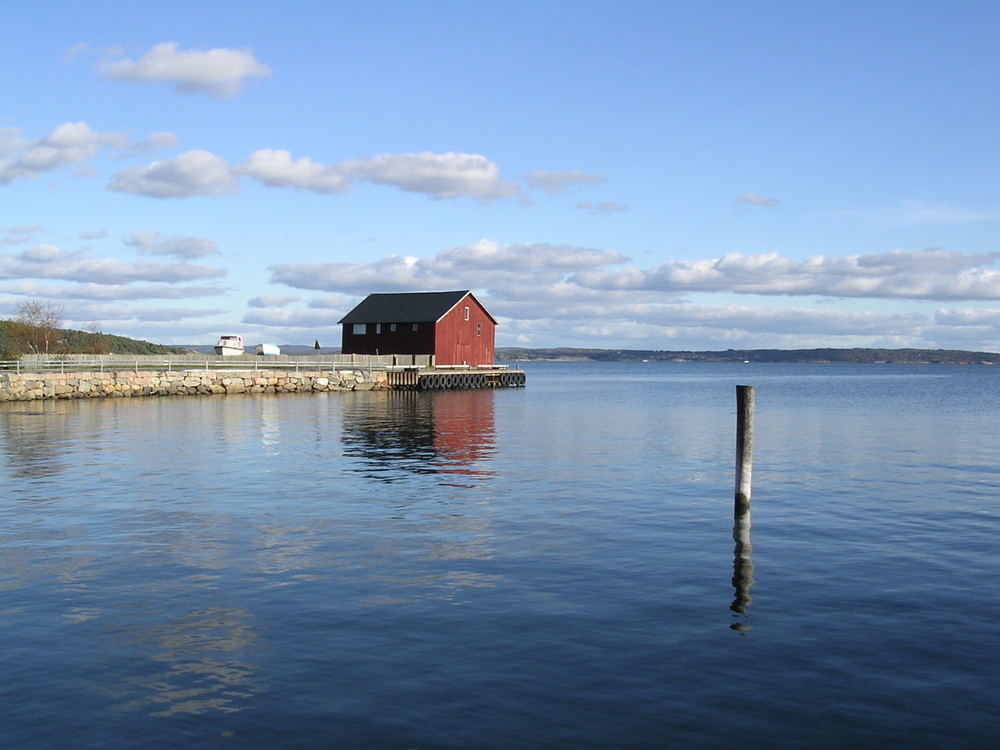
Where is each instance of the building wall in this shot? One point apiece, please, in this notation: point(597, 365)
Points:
point(404, 340)
point(460, 341)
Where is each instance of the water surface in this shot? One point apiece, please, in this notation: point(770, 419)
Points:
point(551, 566)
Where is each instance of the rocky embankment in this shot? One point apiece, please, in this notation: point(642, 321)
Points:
point(143, 383)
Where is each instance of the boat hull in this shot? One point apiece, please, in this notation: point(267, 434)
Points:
point(229, 346)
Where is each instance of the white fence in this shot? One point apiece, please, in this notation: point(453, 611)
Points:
point(111, 362)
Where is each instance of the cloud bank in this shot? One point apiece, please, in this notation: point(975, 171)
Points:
point(197, 172)
point(69, 144)
point(545, 271)
point(438, 176)
point(543, 291)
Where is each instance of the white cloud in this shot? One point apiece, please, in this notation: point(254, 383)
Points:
point(81, 48)
point(154, 142)
point(21, 235)
point(914, 212)
point(929, 274)
point(11, 143)
point(283, 317)
point(449, 175)
point(604, 207)
point(188, 174)
point(154, 243)
point(388, 274)
point(337, 302)
point(119, 292)
point(961, 317)
point(438, 176)
point(268, 300)
point(50, 262)
point(560, 295)
point(172, 313)
point(684, 326)
point(275, 168)
point(556, 183)
point(108, 312)
point(95, 234)
point(510, 268)
point(217, 72)
point(924, 213)
point(70, 143)
point(753, 199)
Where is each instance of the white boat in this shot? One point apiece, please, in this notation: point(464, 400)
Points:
point(268, 350)
point(229, 346)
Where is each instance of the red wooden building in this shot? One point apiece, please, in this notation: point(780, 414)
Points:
point(452, 326)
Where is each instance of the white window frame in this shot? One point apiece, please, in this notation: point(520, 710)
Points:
point(360, 329)
point(466, 313)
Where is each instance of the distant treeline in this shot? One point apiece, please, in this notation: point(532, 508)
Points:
point(78, 341)
point(856, 356)
point(69, 341)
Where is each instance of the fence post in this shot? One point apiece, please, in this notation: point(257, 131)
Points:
point(744, 447)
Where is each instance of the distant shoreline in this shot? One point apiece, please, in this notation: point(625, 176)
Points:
point(808, 356)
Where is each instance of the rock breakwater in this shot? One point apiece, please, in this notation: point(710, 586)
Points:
point(144, 383)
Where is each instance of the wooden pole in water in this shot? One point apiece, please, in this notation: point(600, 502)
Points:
point(744, 448)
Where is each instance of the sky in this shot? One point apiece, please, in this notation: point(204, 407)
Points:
point(627, 175)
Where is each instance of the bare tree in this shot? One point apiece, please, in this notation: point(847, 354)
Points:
point(37, 325)
point(97, 345)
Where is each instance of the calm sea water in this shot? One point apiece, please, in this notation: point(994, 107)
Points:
point(548, 567)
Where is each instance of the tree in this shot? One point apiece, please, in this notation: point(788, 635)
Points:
point(96, 344)
point(37, 325)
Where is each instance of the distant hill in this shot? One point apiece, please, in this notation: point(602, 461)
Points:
point(856, 356)
point(86, 342)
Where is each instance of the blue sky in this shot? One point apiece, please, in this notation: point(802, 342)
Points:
point(645, 175)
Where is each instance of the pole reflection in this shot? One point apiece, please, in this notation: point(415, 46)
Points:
point(742, 572)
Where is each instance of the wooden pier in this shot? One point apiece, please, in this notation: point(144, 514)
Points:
point(441, 379)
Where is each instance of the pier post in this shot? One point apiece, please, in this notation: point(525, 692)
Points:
point(744, 447)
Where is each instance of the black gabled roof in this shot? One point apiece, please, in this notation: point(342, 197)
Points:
point(405, 307)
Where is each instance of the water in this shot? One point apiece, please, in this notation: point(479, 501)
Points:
point(548, 567)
